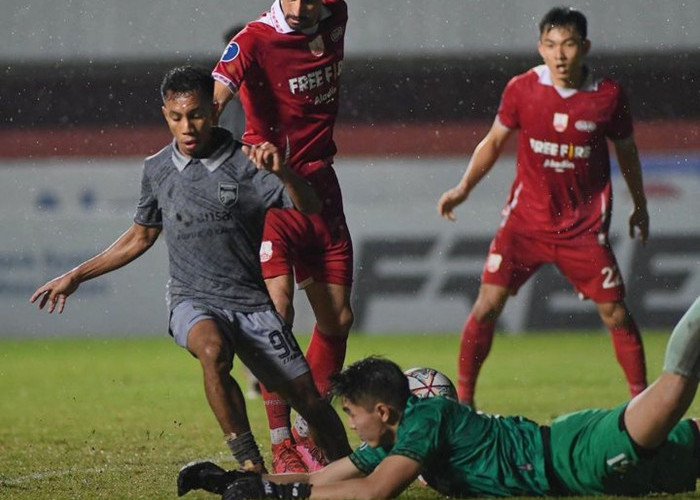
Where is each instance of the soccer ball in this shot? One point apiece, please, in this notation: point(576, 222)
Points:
point(428, 383)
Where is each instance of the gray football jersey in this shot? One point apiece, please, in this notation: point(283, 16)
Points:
point(212, 212)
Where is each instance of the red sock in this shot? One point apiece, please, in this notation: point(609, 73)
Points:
point(630, 354)
point(325, 355)
point(276, 408)
point(474, 346)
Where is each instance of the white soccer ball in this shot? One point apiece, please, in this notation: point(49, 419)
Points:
point(428, 383)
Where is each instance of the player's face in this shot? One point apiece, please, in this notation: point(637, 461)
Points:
point(369, 425)
point(190, 120)
point(301, 14)
point(563, 50)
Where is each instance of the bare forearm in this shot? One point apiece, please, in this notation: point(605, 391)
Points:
point(125, 249)
point(359, 489)
point(222, 96)
point(485, 155)
point(631, 170)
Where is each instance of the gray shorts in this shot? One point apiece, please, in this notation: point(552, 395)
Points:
point(260, 339)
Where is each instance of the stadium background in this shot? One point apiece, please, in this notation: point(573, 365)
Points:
point(79, 109)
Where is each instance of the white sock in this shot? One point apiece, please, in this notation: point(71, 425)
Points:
point(301, 426)
point(279, 435)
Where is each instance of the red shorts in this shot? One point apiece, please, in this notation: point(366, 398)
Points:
point(314, 247)
point(589, 266)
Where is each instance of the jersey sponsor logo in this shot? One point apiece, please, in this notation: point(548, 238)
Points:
point(265, 251)
point(316, 46)
point(228, 193)
point(493, 262)
point(231, 52)
point(560, 121)
point(316, 78)
point(585, 126)
point(566, 151)
point(557, 165)
point(337, 33)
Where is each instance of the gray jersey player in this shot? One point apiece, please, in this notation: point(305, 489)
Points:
point(209, 197)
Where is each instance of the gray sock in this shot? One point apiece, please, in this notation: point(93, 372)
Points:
point(683, 349)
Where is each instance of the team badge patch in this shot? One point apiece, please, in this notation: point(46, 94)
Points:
point(231, 52)
point(265, 251)
point(493, 262)
point(228, 193)
point(585, 126)
point(316, 46)
point(560, 121)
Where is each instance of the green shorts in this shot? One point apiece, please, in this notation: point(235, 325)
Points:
point(593, 454)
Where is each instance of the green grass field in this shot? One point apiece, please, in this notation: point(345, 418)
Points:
point(117, 418)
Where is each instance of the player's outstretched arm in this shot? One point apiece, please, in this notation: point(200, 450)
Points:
point(392, 476)
point(631, 170)
point(339, 480)
point(485, 155)
point(134, 242)
point(266, 156)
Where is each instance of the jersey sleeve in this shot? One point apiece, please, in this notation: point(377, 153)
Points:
point(148, 213)
point(237, 58)
point(272, 190)
point(366, 458)
point(621, 126)
point(508, 108)
point(420, 434)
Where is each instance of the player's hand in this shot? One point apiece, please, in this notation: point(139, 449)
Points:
point(449, 200)
point(55, 292)
point(250, 488)
point(639, 218)
point(266, 156)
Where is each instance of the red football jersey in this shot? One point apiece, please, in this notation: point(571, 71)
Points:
point(562, 183)
point(288, 82)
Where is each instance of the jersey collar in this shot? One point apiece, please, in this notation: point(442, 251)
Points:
point(275, 18)
point(545, 78)
point(212, 162)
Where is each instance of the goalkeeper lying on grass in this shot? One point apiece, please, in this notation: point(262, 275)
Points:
point(638, 448)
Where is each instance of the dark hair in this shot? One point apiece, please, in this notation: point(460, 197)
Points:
point(186, 79)
point(372, 380)
point(560, 17)
point(232, 31)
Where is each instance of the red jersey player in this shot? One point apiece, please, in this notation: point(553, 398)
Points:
point(559, 206)
point(285, 68)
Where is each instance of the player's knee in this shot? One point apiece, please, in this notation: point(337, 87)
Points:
point(486, 309)
point(336, 324)
point(614, 314)
point(214, 356)
point(345, 320)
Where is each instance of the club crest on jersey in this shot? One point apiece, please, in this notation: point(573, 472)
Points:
point(316, 46)
point(265, 251)
point(228, 193)
point(560, 121)
point(493, 262)
point(231, 52)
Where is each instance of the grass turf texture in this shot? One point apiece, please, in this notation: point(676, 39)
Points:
point(117, 418)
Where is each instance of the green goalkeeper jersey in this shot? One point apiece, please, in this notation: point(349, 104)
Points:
point(466, 453)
